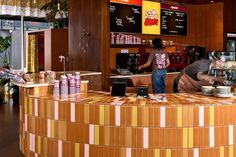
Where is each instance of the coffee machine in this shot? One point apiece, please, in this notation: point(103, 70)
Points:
point(128, 62)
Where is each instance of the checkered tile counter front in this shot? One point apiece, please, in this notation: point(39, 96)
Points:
point(98, 125)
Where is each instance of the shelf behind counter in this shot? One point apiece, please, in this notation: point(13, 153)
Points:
point(143, 79)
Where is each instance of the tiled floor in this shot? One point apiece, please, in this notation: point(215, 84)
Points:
point(9, 137)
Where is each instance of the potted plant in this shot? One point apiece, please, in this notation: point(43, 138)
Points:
point(5, 44)
point(57, 12)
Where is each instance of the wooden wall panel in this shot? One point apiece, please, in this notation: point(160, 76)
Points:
point(85, 17)
point(229, 18)
point(89, 16)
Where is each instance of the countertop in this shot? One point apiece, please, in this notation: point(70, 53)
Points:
point(100, 97)
point(45, 82)
point(138, 75)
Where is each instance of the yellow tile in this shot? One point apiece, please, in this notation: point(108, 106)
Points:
point(212, 115)
point(86, 113)
point(76, 149)
point(39, 144)
point(128, 137)
point(190, 138)
point(157, 152)
point(107, 135)
point(145, 118)
point(107, 115)
point(123, 152)
point(222, 152)
point(142, 102)
point(30, 107)
point(168, 153)
point(185, 138)
point(134, 115)
point(231, 151)
point(101, 114)
point(180, 116)
point(96, 136)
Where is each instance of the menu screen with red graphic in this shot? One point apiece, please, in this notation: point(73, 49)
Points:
point(132, 2)
point(173, 20)
point(125, 18)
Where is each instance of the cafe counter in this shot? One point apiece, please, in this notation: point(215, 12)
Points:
point(92, 124)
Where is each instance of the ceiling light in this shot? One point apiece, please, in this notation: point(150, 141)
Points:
point(212, 1)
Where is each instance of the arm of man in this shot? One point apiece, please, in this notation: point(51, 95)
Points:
point(167, 63)
point(211, 79)
point(145, 65)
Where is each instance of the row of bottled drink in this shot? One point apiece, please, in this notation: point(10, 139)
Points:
point(67, 84)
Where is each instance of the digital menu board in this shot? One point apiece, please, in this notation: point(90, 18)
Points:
point(173, 20)
point(131, 2)
point(151, 17)
point(125, 18)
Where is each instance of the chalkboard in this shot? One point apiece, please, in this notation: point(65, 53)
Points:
point(173, 20)
point(125, 18)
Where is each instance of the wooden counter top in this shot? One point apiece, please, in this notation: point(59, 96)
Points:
point(138, 75)
point(40, 83)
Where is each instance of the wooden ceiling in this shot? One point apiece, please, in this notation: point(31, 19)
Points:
point(197, 2)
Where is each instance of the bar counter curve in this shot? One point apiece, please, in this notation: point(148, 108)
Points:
point(94, 124)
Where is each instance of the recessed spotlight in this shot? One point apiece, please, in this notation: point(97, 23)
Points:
point(212, 1)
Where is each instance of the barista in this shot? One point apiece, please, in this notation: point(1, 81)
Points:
point(196, 75)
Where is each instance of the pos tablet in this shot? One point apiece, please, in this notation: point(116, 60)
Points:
point(118, 88)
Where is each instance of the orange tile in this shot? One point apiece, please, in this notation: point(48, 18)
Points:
point(151, 138)
point(145, 119)
point(233, 108)
point(139, 152)
point(117, 136)
point(185, 116)
point(168, 140)
point(174, 153)
point(173, 122)
point(196, 116)
point(174, 135)
point(134, 137)
point(221, 119)
point(162, 138)
point(125, 116)
point(156, 141)
point(218, 115)
point(179, 138)
point(150, 153)
point(157, 116)
point(206, 137)
point(225, 136)
point(112, 115)
point(151, 116)
point(94, 110)
point(70, 133)
point(168, 117)
point(128, 137)
point(101, 135)
point(122, 136)
point(230, 114)
point(207, 116)
point(162, 153)
point(202, 137)
point(139, 137)
point(98, 151)
point(190, 116)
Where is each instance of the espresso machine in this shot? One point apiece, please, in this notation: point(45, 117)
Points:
point(127, 63)
point(229, 74)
